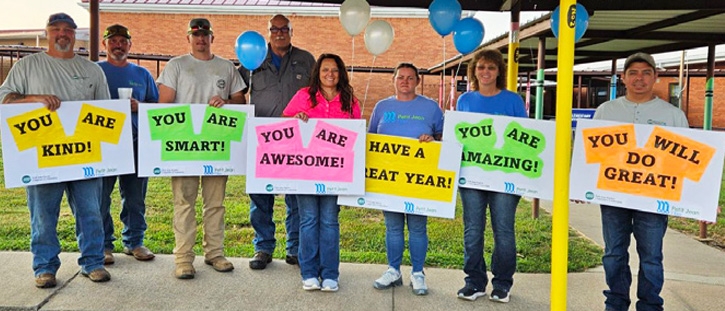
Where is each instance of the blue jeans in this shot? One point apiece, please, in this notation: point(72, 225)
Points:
point(618, 225)
point(503, 217)
point(395, 239)
point(319, 255)
point(260, 215)
point(84, 198)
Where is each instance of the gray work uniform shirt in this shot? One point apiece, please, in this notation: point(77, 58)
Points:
point(272, 89)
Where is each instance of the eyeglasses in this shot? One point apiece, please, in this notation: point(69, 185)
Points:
point(284, 29)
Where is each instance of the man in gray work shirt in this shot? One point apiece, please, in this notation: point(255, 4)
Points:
point(285, 70)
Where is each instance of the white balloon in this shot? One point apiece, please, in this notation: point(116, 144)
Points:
point(354, 15)
point(378, 37)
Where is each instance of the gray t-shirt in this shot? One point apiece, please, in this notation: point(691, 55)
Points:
point(69, 79)
point(653, 112)
point(196, 81)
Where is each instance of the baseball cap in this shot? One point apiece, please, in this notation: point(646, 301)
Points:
point(116, 30)
point(640, 57)
point(199, 24)
point(61, 17)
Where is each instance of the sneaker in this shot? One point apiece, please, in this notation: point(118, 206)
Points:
point(390, 278)
point(98, 275)
point(108, 257)
point(329, 285)
point(500, 295)
point(311, 284)
point(260, 261)
point(417, 282)
point(292, 260)
point(45, 280)
point(470, 293)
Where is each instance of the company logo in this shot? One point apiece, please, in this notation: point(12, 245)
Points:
point(462, 181)
point(589, 195)
point(360, 201)
point(389, 117)
point(409, 207)
point(221, 83)
point(269, 188)
point(88, 171)
point(208, 169)
point(319, 188)
point(157, 171)
point(663, 207)
point(509, 187)
point(26, 179)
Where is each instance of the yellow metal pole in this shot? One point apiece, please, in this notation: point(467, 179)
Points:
point(562, 154)
point(512, 73)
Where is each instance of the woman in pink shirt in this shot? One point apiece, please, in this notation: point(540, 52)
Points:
point(329, 96)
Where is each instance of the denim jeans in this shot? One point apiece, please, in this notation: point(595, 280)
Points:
point(84, 198)
point(133, 208)
point(503, 217)
point(319, 255)
point(395, 239)
point(618, 225)
point(260, 215)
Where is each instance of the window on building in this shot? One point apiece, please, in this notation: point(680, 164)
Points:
point(674, 90)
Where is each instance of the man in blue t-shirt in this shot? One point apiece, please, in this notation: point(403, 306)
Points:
point(122, 74)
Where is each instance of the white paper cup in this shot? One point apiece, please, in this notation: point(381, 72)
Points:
point(125, 92)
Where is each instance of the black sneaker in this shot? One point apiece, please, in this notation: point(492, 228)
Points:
point(469, 293)
point(291, 260)
point(500, 295)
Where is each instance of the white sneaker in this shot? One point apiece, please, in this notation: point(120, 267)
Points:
point(311, 284)
point(389, 279)
point(329, 285)
point(417, 281)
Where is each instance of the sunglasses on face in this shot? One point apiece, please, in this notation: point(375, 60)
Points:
point(284, 29)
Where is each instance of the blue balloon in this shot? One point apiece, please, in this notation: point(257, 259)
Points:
point(467, 35)
point(581, 20)
point(443, 15)
point(251, 49)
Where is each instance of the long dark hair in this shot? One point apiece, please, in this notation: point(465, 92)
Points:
point(343, 84)
point(493, 56)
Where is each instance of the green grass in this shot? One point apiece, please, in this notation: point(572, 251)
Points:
point(362, 231)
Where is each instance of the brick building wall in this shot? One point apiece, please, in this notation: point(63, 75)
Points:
point(415, 41)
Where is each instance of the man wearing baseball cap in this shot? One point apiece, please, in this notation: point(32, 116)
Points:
point(121, 73)
point(639, 105)
point(200, 77)
point(50, 78)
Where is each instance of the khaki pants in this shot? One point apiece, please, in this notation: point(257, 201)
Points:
point(185, 190)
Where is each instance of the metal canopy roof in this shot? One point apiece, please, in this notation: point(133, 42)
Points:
point(549, 5)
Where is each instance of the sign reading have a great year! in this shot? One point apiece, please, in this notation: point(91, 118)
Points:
point(406, 176)
point(322, 156)
point(192, 140)
point(503, 154)
point(79, 140)
point(675, 171)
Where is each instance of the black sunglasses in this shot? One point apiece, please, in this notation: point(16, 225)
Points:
point(276, 30)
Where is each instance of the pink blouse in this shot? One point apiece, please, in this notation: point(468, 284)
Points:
point(324, 110)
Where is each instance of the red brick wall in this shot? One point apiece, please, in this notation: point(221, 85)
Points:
point(695, 106)
point(415, 41)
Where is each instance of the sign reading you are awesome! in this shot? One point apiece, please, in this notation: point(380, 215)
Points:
point(664, 170)
point(504, 154)
point(80, 140)
point(407, 176)
point(321, 156)
point(192, 139)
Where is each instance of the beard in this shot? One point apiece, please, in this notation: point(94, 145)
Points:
point(118, 56)
point(63, 47)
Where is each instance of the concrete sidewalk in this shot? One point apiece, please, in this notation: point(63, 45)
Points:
point(695, 281)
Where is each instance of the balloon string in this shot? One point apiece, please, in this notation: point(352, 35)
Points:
point(352, 62)
point(443, 103)
point(367, 87)
point(251, 72)
point(453, 84)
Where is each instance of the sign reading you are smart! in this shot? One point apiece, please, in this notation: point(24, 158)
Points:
point(81, 139)
point(192, 140)
point(657, 169)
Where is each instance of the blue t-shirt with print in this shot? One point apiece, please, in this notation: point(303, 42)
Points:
point(505, 103)
point(406, 118)
point(133, 76)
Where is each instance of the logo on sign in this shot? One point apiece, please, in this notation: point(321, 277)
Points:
point(509, 187)
point(462, 181)
point(157, 171)
point(320, 188)
point(269, 188)
point(409, 207)
point(208, 170)
point(360, 201)
point(26, 179)
point(88, 171)
point(589, 195)
point(663, 207)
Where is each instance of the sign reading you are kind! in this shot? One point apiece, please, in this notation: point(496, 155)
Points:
point(664, 170)
point(192, 139)
point(321, 156)
point(80, 140)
